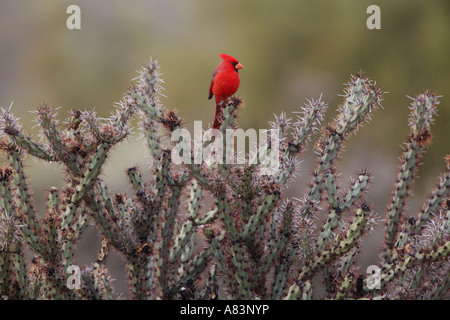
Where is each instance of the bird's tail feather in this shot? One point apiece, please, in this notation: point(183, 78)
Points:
point(219, 113)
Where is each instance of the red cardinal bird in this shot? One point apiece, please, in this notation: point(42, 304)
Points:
point(224, 84)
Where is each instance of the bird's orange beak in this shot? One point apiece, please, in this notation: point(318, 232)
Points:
point(239, 66)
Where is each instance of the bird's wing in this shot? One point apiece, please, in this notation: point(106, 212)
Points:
point(210, 89)
point(212, 84)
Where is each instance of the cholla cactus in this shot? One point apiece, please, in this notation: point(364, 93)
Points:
point(217, 230)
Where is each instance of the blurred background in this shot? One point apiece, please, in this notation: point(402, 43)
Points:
point(291, 50)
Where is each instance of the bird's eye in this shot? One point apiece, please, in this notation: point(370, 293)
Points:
point(234, 63)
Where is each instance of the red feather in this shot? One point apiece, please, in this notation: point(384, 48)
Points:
point(224, 84)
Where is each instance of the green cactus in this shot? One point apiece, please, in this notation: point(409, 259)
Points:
point(217, 230)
